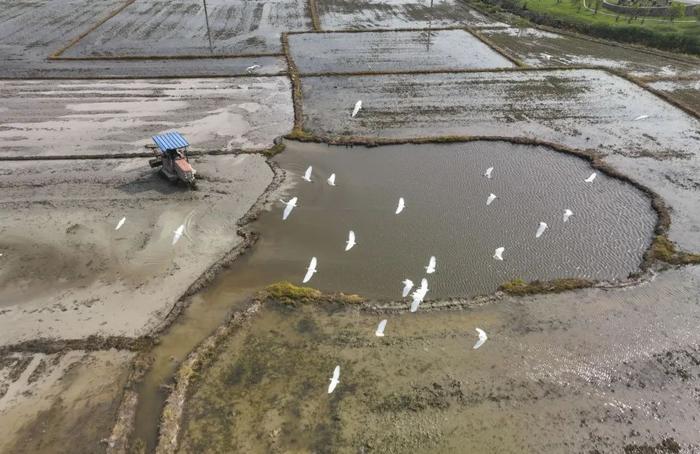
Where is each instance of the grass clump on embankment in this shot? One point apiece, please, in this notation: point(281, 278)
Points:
point(520, 287)
point(664, 250)
point(288, 293)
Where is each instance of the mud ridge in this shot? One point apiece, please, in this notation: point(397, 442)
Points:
point(313, 12)
point(127, 77)
point(295, 78)
point(498, 49)
point(171, 416)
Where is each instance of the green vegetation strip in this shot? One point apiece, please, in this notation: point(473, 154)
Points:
point(572, 15)
point(313, 11)
point(520, 287)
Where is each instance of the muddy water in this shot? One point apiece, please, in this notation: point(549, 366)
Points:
point(445, 215)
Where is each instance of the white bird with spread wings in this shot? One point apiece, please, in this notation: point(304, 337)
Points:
point(288, 209)
point(430, 269)
point(351, 241)
point(335, 379)
point(310, 271)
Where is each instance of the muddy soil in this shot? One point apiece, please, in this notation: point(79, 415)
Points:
point(583, 109)
point(351, 14)
point(179, 28)
point(542, 48)
point(92, 117)
point(62, 402)
point(392, 51)
point(590, 371)
point(67, 273)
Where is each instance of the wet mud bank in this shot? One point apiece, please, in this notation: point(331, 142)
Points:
point(554, 374)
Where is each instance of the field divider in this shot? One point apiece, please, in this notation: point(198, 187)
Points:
point(168, 57)
point(495, 47)
point(295, 78)
point(313, 11)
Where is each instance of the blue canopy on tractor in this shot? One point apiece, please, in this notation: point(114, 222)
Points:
point(170, 141)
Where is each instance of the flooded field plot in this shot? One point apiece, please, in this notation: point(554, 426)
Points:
point(593, 371)
point(34, 30)
point(61, 402)
point(684, 91)
point(179, 28)
point(352, 14)
point(446, 216)
point(67, 272)
point(92, 117)
point(540, 48)
point(392, 51)
point(583, 109)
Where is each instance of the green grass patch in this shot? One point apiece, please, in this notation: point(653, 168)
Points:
point(664, 250)
point(681, 35)
point(520, 287)
point(288, 293)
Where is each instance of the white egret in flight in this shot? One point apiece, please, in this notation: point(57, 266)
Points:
point(310, 270)
point(488, 172)
point(482, 338)
point(358, 106)
point(351, 241)
point(335, 379)
point(641, 117)
point(307, 174)
point(541, 229)
point(400, 206)
point(331, 180)
point(490, 199)
point(419, 294)
point(567, 214)
point(407, 286)
point(591, 178)
point(290, 206)
point(430, 269)
point(250, 69)
point(120, 224)
point(380, 329)
point(178, 233)
point(498, 255)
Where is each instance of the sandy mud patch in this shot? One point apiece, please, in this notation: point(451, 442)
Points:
point(68, 118)
point(538, 48)
point(349, 14)
point(592, 370)
point(169, 28)
point(62, 402)
point(392, 51)
point(67, 273)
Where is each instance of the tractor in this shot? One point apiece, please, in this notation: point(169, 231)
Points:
point(171, 156)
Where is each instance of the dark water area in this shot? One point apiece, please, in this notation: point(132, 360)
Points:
point(446, 216)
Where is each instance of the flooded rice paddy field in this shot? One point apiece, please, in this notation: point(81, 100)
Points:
point(392, 51)
point(684, 91)
point(583, 109)
point(60, 402)
point(388, 14)
point(93, 117)
point(166, 28)
point(542, 48)
point(446, 216)
point(67, 273)
point(37, 29)
point(590, 371)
